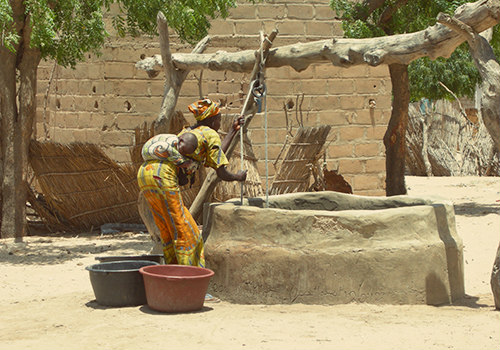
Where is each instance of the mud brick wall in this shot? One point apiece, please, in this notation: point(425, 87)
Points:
point(105, 98)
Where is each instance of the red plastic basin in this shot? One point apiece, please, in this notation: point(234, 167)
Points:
point(175, 288)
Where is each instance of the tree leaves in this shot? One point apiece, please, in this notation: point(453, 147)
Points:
point(189, 18)
point(457, 72)
point(65, 30)
point(8, 36)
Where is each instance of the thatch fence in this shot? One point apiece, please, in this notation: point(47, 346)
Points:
point(444, 140)
point(80, 187)
point(300, 162)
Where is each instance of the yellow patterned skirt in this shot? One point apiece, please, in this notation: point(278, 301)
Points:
point(180, 235)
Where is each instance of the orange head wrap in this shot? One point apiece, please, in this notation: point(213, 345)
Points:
point(203, 109)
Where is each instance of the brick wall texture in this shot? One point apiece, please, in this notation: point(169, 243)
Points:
point(106, 97)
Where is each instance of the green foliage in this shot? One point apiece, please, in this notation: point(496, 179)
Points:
point(458, 72)
point(361, 29)
point(189, 18)
point(415, 15)
point(9, 36)
point(65, 30)
point(495, 41)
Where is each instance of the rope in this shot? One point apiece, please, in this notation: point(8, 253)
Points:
point(242, 158)
point(258, 89)
point(265, 146)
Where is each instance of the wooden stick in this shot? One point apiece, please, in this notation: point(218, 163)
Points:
point(174, 77)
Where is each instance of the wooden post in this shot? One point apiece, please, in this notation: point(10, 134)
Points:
point(173, 77)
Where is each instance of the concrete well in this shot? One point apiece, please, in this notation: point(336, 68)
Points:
point(334, 248)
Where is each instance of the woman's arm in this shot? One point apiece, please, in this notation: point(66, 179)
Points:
point(225, 175)
point(237, 123)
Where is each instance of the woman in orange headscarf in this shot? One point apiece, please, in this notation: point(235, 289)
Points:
point(159, 182)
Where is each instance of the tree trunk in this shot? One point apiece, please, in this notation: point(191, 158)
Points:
point(9, 116)
point(18, 110)
point(495, 279)
point(489, 70)
point(395, 136)
point(24, 127)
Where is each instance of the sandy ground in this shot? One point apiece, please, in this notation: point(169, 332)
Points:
point(47, 302)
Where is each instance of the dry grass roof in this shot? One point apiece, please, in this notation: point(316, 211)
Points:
point(82, 187)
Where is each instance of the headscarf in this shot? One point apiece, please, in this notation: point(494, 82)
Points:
point(203, 109)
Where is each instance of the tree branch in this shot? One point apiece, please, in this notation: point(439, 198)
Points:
point(489, 70)
point(433, 42)
point(365, 9)
point(456, 25)
point(388, 13)
point(462, 111)
point(174, 77)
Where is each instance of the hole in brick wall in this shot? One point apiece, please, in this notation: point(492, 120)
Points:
point(94, 89)
point(96, 105)
point(374, 86)
point(143, 56)
point(333, 181)
point(153, 73)
point(58, 104)
point(128, 106)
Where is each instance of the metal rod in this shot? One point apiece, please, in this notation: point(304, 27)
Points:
point(266, 143)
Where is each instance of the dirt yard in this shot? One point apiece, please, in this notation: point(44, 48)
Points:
point(47, 302)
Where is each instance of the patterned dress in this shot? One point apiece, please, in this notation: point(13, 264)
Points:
point(158, 180)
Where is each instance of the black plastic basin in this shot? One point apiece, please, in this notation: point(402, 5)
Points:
point(119, 283)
